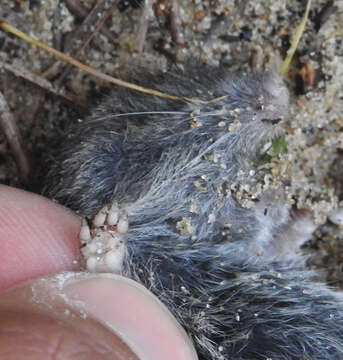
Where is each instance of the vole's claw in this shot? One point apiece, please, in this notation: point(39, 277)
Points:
point(85, 235)
point(100, 217)
point(113, 214)
point(104, 243)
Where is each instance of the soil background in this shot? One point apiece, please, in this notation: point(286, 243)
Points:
point(242, 36)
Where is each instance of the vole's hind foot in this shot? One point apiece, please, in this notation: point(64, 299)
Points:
point(104, 240)
point(336, 216)
point(291, 236)
point(285, 229)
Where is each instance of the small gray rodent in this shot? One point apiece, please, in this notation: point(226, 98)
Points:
point(232, 276)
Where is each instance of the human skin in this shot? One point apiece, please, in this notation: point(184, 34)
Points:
point(50, 310)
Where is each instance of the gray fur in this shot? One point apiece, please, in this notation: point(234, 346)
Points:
point(213, 262)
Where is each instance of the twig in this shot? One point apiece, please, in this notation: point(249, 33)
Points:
point(143, 24)
point(10, 129)
point(175, 24)
point(224, 23)
point(43, 83)
point(91, 24)
point(80, 65)
point(81, 35)
point(295, 41)
point(99, 74)
point(77, 8)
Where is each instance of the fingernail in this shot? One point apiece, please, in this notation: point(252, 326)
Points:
point(133, 313)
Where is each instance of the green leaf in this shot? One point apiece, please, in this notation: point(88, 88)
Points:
point(279, 146)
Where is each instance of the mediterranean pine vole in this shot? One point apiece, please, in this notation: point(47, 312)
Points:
point(231, 275)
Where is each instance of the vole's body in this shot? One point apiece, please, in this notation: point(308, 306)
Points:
point(222, 269)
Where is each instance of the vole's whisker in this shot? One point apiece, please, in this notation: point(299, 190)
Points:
point(142, 113)
point(203, 115)
point(220, 113)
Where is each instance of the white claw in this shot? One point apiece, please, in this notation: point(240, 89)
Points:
point(114, 260)
point(123, 224)
point(104, 247)
point(92, 264)
point(113, 214)
point(92, 248)
point(100, 217)
point(85, 235)
point(336, 216)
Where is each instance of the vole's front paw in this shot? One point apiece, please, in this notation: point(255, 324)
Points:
point(104, 240)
